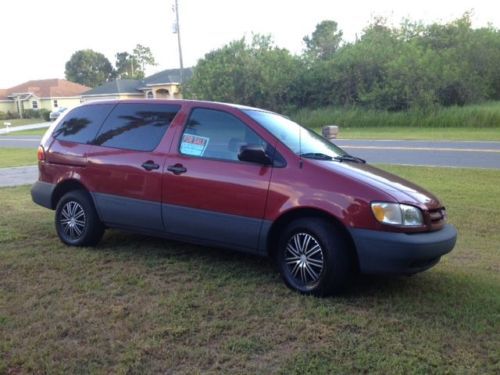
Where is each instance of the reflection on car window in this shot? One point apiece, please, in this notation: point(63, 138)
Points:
point(82, 123)
point(216, 134)
point(297, 138)
point(135, 126)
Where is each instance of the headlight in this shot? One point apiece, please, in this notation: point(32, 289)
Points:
point(397, 214)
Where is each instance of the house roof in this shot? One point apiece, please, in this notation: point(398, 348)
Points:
point(46, 88)
point(168, 76)
point(132, 86)
point(118, 86)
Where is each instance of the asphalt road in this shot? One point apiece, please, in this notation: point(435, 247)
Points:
point(469, 154)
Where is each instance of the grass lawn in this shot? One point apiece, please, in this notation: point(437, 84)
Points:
point(137, 304)
point(16, 157)
point(452, 134)
point(25, 121)
point(39, 132)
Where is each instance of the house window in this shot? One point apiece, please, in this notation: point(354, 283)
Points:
point(55, 103)
point(34, 104)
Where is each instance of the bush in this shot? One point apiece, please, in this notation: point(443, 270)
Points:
point(45, 114)
point(12, 115)
point(3, 115)
point(31, 113)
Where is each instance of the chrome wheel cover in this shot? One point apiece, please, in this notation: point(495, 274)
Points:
point(304, 258)
point(73, 220)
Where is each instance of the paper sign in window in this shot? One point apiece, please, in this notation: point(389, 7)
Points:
point(193, 144)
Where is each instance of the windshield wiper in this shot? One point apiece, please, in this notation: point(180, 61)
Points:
point(347, 157)
point(316, 155)
point(321, 156)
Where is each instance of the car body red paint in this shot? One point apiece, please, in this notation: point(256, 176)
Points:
point(232, 189)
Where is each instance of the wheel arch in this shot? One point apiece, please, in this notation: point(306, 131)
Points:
point(64, 187)
point(286, 218)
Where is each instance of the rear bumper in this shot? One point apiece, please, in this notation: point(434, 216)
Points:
point(401, 253)
point(41, 193)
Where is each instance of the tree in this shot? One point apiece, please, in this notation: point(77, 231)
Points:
point(324, 41)
point(89, 68)
point(127, 66)
point(144, 56)
point(256, 73)
point(133, 66)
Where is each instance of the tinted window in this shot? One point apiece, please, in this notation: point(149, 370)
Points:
point(215, 134)
point(135, 126)
point(81, 124)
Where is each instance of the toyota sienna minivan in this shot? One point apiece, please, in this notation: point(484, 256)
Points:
point(231, 176)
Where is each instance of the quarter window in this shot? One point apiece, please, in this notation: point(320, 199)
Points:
point(137, 127)
point(80, 125)
point(215, 134)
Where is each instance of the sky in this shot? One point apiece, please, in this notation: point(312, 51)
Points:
point(39, 37)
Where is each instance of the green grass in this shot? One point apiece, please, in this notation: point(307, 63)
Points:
point(19, 122)
point(452, 134)
point(16, 157)
point(485, 115)
point(136, 304)
point(27, 132)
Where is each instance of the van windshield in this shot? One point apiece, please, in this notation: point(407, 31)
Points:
point(300, 140)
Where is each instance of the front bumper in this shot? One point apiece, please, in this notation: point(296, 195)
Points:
point(401, 253)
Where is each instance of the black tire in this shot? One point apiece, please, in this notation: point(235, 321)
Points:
point(76, 219)
point(314, 257)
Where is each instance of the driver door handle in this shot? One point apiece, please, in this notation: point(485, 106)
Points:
point(150, 165)
point(177, 169)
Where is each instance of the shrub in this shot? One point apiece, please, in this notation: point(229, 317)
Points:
point(45, 114)
point(31, 113)
point(12, 115)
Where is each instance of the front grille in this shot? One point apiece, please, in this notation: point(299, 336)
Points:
point(437, 217)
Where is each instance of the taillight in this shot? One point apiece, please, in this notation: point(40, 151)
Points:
point(40, 153)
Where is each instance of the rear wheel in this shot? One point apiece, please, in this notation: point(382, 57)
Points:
point(314, 257)
point(77, 222)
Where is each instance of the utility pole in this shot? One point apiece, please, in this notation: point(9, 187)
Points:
point(178, 31)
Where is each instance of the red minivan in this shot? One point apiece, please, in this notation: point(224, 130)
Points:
point(237, 177)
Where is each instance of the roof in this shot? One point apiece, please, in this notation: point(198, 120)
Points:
point(118, 86)
point(168, 76)
point(46, 88)
point(132, 86)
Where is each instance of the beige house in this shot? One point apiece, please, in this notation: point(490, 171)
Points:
point(162, 85)
point(37, 94)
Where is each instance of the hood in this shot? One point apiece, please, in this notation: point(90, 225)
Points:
point(401, 190)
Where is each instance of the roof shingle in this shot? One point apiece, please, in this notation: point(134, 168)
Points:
point(46, 88)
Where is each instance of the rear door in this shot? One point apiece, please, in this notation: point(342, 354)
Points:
point(125, 164)
point(209, 195)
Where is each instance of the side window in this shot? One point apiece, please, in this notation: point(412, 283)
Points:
point(81, 124)
point(135, 126)
point(216, 134)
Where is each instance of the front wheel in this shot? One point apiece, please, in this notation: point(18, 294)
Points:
point(314, 257)
point(77, 222)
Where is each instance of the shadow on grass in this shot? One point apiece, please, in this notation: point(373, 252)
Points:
point(439, 286)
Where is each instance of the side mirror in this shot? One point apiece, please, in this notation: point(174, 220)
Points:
point(254, 154)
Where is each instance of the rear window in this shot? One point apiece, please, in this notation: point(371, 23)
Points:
point(81, 124)
point(136, 126)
